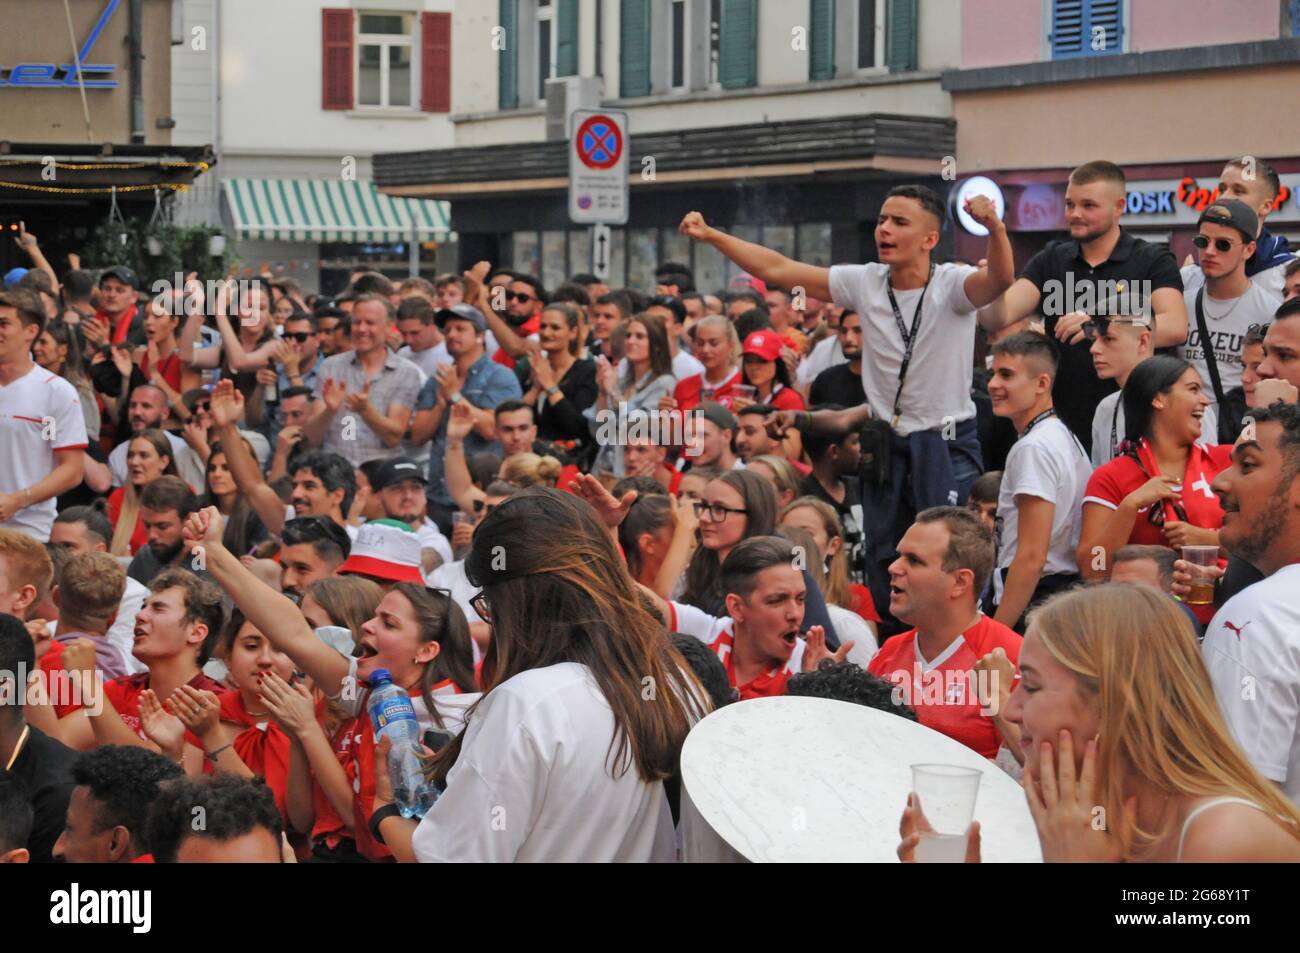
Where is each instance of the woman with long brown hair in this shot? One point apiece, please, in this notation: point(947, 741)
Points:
point(1115, 710)
point(643, 377)
point(148, 456)
point(585, 704)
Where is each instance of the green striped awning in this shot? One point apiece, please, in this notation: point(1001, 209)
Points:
point(330, 210)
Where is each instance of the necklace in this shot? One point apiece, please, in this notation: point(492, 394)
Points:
point(27, 729)
point(1219, 317)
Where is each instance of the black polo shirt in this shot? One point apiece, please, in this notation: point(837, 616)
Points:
point(1078, 390)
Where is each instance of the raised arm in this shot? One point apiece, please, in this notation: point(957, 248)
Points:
point(274, 615)
point(460, 487)
point(1017, 303)
point(227, 408)
point(476, 293)
point(237, 356)
point(771, 266)
point(987, 284)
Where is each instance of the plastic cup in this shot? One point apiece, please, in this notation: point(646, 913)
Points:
point(1200, 559)
point(745, 391)
point(946, 794)
point(458, 517)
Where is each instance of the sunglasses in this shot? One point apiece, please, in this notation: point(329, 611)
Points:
point(203, 406)
point(479, 603)
point(1220, 244)
point(520, 296)
point(1258, 328)
point(482, 506)
point(1100, 327)
point(302, 337)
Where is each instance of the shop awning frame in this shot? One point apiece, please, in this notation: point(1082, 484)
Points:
point(330, 210)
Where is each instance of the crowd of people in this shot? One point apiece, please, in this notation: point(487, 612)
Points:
point(571, 522)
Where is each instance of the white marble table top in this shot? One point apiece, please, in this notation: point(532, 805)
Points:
point(798, 779)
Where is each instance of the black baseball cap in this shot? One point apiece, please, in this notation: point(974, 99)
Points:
point(1235, 214)
point(122, 274)
point(397, 470)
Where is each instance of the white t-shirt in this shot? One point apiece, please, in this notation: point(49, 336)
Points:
point(1226, 321)
point(427, 360)
point(431, 537)
point(40, 413)
point(122, 632)
point(851, 627)
point(1271, 280)
point(1252, 652)
point(825, 354)
point(188, 464)
point(534, 783)
point(1048, 463)
point(1110, 418)
point(937, 390)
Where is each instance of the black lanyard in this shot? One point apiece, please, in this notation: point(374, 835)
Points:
point(1114, 422)
point(1049, 412)
point(909, 339)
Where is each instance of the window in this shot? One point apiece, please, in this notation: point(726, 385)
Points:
point(871, 34)
point(1086, 28)
point(677, 28)
point(384, 66)
point(545, 46)
point(715, 42)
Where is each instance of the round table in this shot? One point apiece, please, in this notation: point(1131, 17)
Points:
point(799, 779)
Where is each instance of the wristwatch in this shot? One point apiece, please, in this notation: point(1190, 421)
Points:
point(381, 815)
point(456, 398)
point(552, 390)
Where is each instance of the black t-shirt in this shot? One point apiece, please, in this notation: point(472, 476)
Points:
point(1078, 390)
point(837, 385)
point(850, 513)
point(44, 765)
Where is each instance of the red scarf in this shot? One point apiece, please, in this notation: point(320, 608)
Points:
point(1198, 504)
point(265, 751)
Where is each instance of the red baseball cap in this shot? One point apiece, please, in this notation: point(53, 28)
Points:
point(766, 344)
point(742, 281)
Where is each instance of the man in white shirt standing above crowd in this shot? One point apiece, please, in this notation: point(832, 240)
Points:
point(1047, 469)
point(918, 321)
point(42, 430)
point(1221, 310)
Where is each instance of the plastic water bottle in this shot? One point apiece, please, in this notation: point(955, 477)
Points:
point(393, 716)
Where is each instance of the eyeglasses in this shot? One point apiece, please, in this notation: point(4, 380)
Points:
point(1220, 244)
point(203, 406)
point(520, 296)
point(479, 603)
point(302, 337)
point(717, 512)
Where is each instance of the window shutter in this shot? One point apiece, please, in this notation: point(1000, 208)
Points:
point(634, 48)
point(566, 40)
point(435, 62)
point(900, 36)
point(336, 59)
point(508, 58)
point(821, 44)
point(739, 54)
point(1074, 23)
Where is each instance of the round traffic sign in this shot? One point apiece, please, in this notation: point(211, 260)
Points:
point(599, 143)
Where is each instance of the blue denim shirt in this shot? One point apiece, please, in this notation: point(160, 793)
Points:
point(486, 385)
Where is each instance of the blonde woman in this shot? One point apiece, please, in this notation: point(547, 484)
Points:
point(530, 469)
point(520, 469)
point(779, 472)
point(1115, 709)
point(820, 519)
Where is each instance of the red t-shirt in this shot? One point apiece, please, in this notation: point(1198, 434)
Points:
point(786, 398)
point(170, 369)
point(863, 604)
point(262, 746)
point(942, 691)
point(138, 538)
point(690, 391)
point(354, 746)
point(769, 684)
point(1115, 480)
point(125, 693)
point(568, 474)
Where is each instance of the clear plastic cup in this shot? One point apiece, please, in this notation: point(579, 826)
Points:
point(745, 391)
point(946, 796)
point(1200, 559)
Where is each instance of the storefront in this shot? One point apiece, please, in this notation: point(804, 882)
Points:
point(1164, 203)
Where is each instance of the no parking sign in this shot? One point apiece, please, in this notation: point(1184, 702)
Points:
point(598, 164)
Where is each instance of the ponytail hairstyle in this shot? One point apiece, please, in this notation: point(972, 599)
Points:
point(441, 620)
